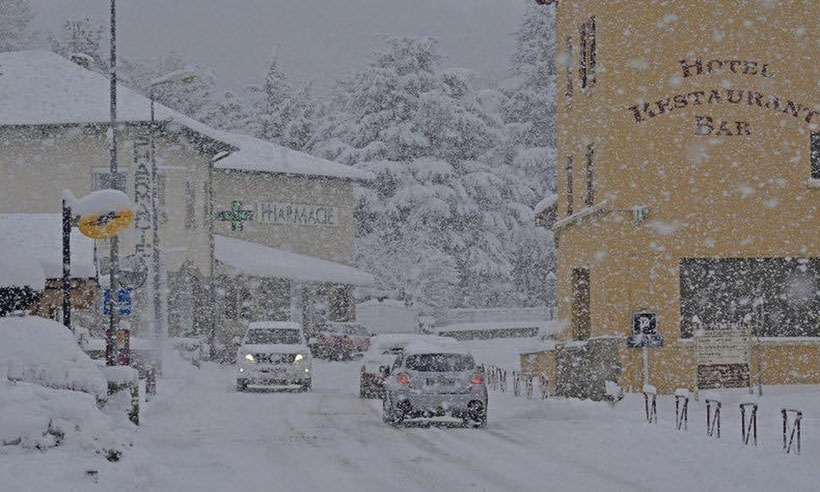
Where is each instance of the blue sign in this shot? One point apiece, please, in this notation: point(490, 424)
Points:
point(123, 303)
point(644, 331)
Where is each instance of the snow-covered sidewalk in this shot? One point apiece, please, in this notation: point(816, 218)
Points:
point(200, 435)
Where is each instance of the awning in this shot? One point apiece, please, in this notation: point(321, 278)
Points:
point(262, 261)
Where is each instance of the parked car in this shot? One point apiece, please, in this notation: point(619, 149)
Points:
point(338, 340)
point(382, 352)
point(273, 355)
point(434, 380)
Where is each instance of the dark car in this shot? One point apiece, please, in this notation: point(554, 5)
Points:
point(338, 340)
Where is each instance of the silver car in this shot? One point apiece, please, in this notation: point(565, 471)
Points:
point(433, 383)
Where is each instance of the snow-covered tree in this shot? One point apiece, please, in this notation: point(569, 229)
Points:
point(80, 36)
point(15, 23)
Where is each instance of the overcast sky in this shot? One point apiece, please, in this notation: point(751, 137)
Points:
point(316, 39)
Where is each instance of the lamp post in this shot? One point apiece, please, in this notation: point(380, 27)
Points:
point(113, 320)
point(184, 77)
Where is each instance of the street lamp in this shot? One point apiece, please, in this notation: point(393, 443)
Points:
point(176, 77)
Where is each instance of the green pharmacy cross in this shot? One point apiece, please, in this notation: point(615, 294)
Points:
point(236, 216)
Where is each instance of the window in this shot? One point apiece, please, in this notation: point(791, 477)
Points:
point(162, 186)
point(780, 296)
point(590, 154)
point(569, 70)
point(815, 156)
point(582, 58)
point(102, 179)
point(190, 206)
point(592, 52)
point(587, 59)
point(581, 326)
point(569, 186)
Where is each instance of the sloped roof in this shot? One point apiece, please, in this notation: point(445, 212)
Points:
point(42, 88)
point(257, 260)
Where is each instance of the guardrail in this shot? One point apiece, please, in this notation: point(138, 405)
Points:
point(523, 385)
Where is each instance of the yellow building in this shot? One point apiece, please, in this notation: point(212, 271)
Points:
point(689, 191)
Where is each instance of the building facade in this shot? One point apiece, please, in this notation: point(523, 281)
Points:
point(689, 193)
point(248, 230)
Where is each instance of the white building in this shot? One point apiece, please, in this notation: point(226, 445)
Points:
point(273, 226)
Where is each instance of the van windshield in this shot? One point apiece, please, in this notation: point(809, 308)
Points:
point(270, 336)
point(440, 362)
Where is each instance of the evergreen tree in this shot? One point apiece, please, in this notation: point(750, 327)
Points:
point(15, 21)
point(80, 36)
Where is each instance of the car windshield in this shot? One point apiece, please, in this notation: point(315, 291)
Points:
point(440, 362)
point(267, 336)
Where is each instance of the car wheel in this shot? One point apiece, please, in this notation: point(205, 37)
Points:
point(241, 385)
point(307, 385)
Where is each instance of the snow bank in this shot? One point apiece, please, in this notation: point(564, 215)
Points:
point(41, 351)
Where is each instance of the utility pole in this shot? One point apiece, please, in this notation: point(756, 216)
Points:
point(67, 219)
point(113, 321)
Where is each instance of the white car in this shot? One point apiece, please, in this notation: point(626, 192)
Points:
point(273, 355)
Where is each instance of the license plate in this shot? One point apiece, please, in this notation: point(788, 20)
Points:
point(440, 382)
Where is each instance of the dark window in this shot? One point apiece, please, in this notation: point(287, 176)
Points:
point(590, 175)
point(190, 206)
point(440, 362)
point(581, 323)
point(273, 336)
point(592, 52)
point(815, 156)
point(569, 70)
point(569, 186)
point(780, 296)
point(582, 57)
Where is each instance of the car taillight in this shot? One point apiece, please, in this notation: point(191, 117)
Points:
point(478, 379)
point(403, 378)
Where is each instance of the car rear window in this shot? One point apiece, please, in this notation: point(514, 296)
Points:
point(269, 336)
point(440, 362)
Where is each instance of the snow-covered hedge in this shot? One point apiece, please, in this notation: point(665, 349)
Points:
point(41, 351)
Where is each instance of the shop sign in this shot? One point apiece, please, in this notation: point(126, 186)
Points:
point(297, 214)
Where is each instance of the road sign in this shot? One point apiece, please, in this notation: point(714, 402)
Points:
point(644, 331)
point(123, 304)
point(109, 224)
point(133, 272)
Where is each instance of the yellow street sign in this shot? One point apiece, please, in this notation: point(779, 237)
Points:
point(105, 225)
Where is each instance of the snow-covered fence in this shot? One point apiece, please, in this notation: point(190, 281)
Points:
point(748, 430)
point(792, 430)
point(713, 418)
point(523, 384)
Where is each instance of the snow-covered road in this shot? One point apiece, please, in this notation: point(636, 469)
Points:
point(204, 436)
point(198, 434)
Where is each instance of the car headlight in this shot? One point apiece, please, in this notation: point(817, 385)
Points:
point(298, 357)
point(249, 358)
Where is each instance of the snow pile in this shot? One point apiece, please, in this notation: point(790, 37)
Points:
point(101, 202)
point(41, 351)
point(35, 417)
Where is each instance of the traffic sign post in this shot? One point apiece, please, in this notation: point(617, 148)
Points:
point(122, 306)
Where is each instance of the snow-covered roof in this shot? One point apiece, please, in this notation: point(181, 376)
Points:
point(43, 88)
point(38, 240)
point(263, 261)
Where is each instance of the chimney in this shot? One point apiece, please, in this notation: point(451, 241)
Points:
point(81, 59)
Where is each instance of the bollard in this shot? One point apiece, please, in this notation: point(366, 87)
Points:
point(682, 412)
point(503, 376)
point(748, 430)
point(544, 384)
point(150, 383)
point(528, 384)
point(712, 418)
point(795, 429)
point(651, 407)
point(134, 413)
point(516, 384)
